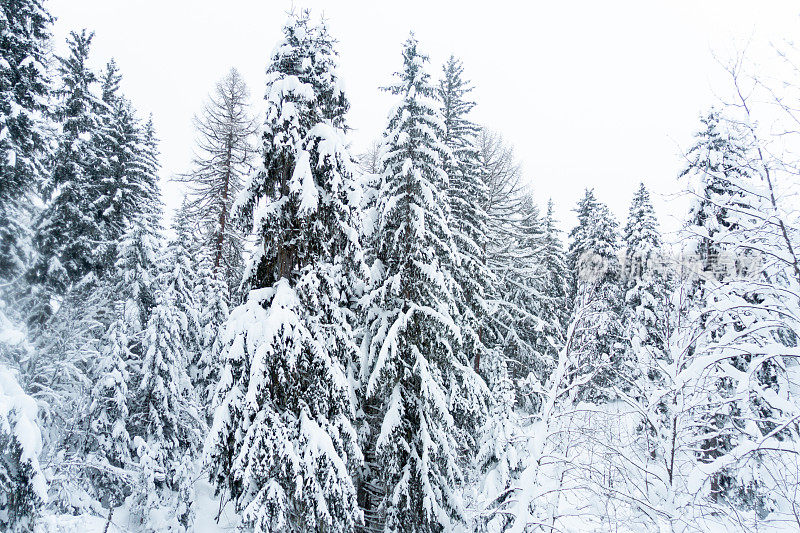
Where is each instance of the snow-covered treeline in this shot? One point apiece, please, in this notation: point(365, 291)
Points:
point(397, 341)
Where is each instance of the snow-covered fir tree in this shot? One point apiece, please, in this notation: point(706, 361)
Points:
point(283, 445)
point(67, 234)
point(126, 185)
point(148, 167)
point(646, 284)
point(599, 345)
point(167, 421)
point(214, 300)
point(415, 368)
point(578, 238)
point(537, 292)
point(466, 194)
point(108, 447)
point(555, 285)
point(500, 458)
point(649, 318)
point(104, 176)
point(717, 166)
point(136, 274)
point(522, 296)
point(183, 266)
point(23, 486)
point(24, 89)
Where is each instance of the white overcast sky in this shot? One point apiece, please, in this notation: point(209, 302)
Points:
point(590, 93)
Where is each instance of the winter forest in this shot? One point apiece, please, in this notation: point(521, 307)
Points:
point(396, 339)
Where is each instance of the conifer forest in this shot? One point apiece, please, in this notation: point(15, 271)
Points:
point(399, 337)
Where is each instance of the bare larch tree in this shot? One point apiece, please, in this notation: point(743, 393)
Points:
point(223, 157)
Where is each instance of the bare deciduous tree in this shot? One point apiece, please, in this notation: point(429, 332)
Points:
point(370, 160)
point(224, 153)
point(506, 190)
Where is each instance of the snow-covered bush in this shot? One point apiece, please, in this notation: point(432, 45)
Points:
point(23, 488)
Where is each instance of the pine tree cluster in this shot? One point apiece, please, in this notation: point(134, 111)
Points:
point(399, 342)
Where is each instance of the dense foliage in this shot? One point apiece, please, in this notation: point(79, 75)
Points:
point(404, 344)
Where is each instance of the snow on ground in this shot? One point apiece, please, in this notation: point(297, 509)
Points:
point(206, 509)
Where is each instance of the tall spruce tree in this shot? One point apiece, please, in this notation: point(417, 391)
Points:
point(283, 445)
point(649, 320)
point(555, 285)
point(415, 368)
point(68, 236)
point(167, 419)
point(598, 346)
point(136, 275)
point(24, 90)
point(184, 266)
point(578, 238)
point(546, 278)
point(125, 190)
point(214, 301)
point(530, 299)
point(521, 295)
point(645, 279)
point(148, 167)
point(467, 194)
point(109, 443)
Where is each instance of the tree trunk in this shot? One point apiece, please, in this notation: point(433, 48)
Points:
point(108, 522)
point(223, 212)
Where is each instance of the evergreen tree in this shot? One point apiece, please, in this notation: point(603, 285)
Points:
point(649, 320)
point(500, 458)
point(530, 317)
point(645, 285)
point(137, 271)
point(214, 300)
point(283, 444)
point(108, 451)
point(555, 310)
point(147, 168)
point(717, 166)
point(578, 239)
point(167, 422)
point(166, 414)
point(123, 191)
point(23, 487)
point(184, 268)
point(467, 195)
point(24, 87)
point(521, 297)
point(541, 291)
point(67, 235)
point(414, 359)
point(598, 345)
